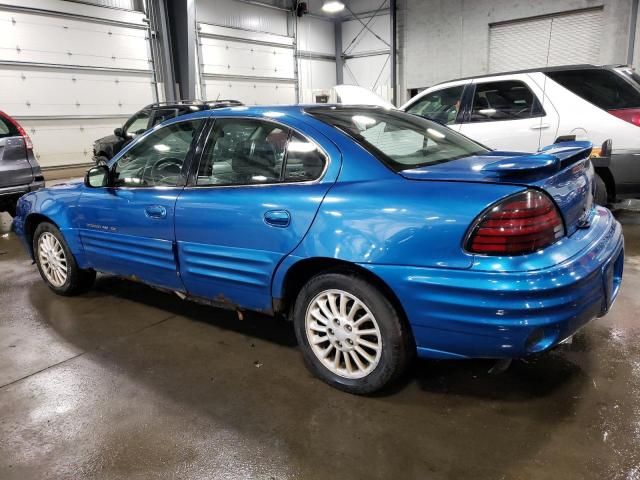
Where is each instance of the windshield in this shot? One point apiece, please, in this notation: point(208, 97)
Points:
point(401, 140)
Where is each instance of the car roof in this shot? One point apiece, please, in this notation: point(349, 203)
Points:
point(269, 111)
point(560, 68)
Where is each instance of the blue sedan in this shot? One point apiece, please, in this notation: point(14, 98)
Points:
point(378, 233)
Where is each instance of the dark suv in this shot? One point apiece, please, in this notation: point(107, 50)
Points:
point(106, 147)
point(19, 169)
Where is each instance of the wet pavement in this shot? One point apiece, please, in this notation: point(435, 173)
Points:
point(127, 382)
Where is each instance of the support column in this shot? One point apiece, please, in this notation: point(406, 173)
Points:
point(161, 48)
point(182, 24)
point(392, 52)
point(337, 27)
point(633, 24)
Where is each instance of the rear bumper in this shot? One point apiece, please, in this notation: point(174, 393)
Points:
point(467, 313)
point(12, 194)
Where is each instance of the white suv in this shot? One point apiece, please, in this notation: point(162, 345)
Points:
point(527, 110)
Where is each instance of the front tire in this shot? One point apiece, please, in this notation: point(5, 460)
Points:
point(56, 263)
point(351, 336)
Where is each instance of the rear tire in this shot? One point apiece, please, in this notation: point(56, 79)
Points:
point(350, 335)
point(56, 263)
point(601, 196)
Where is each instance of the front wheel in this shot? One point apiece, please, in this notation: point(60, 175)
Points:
point(57, 266)
point(351, 336)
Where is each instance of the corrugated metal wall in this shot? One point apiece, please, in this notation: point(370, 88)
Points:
point(262, 55)
point(70, 79)
point(565, 39)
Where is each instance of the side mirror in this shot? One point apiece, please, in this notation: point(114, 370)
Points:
point(118, 132)
point(97, 177)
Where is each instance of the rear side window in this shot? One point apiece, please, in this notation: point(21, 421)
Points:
point(442, 105)
point(4, 128)
point(507, 100)
point(305, 161)
point(603, 88)
point(242, 151)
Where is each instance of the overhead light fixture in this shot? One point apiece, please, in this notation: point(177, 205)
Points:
point(332, 6)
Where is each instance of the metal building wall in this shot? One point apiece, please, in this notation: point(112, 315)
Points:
point(71, 73)
point(366, 53)
point(444, 40)
point(262, 55)
point(316, 57)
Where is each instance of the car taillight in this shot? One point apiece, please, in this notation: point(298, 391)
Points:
point(21, 131)
point(520, 224)
point(631, 115)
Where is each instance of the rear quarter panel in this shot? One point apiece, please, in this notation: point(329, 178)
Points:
point(395, 222)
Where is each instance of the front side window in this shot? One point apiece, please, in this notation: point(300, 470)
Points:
point(157, 160)
point(137, 124)
point(399, 140)
point(506, 100)
point(442, 105)
point(603, 88)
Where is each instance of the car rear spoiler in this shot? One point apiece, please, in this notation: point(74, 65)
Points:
point(552, 158)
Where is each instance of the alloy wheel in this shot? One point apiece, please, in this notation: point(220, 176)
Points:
point(52, 259)
point(343, 334)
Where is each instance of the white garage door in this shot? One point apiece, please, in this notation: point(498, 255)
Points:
point(71, 78)
point(563, 39)
point(255, 68)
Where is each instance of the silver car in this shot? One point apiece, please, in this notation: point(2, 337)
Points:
point(19, 169)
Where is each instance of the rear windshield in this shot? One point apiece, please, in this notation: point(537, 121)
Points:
point(603, 88)
point(401, 140)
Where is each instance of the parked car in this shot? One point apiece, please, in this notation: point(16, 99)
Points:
point(379, 233)
point(19, 169)
point(528, 109)
point(106, 147)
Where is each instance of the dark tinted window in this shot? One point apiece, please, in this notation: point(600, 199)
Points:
point(508, 100)
point(441, 105)
point(400, 140)
point(157, 160)
point(6, 129)
point(305, 161)
point(243, 152)
point(603, 88)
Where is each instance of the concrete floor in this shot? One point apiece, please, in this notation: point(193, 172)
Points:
point(126, 382)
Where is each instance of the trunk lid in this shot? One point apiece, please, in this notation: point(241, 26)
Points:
point(563, 171)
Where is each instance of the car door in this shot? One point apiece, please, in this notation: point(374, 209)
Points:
point(127, 227)
point(510, 113)
point(442, 104)
point(251, 199)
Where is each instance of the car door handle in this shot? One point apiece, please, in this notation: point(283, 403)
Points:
point(277, 218)
point(540, 126)
point(155, 211)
